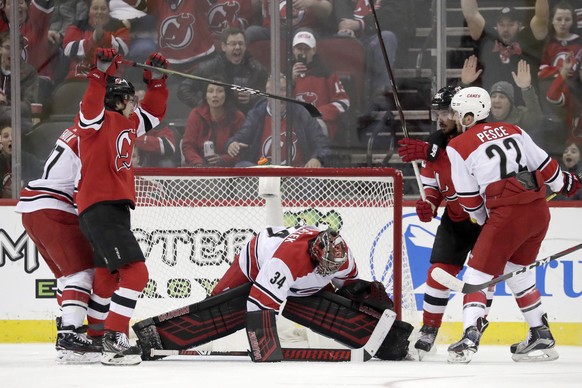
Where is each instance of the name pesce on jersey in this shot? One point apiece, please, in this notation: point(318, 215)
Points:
point(492, 134)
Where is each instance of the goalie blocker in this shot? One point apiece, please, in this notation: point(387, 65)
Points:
point(349, 321)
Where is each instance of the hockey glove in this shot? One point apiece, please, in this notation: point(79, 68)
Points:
point(155, 60)
point(572, 184)
point(412, 149)
point(107, 60)
point(370, 293)
point(425, 210)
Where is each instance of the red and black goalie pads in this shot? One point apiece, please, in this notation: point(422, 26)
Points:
point(263, 338)
point(214, 317)
point(348, 322)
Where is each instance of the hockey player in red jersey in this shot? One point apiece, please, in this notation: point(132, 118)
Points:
point(108, 124)
point(49, 216)
point(499, 174)
point(456, 234)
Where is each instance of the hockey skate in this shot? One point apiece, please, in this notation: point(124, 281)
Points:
point(118, 351)
point(461, 352)
point(427, 337)
point(75, 348)
point(538, 345)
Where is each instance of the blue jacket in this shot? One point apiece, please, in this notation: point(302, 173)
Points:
point(312, 142)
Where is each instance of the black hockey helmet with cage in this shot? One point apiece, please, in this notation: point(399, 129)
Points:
point(118, 90)
point(328, 252)
point(442, 99)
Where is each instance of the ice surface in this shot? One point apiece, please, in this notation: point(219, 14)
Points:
point(32, 365)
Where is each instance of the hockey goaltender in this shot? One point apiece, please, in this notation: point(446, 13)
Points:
point(312, 270)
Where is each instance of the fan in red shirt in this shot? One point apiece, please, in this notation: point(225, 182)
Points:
point(108, 125)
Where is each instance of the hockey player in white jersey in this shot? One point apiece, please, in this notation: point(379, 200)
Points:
point(49, 216)
point(500, 176)
point(283, 262)
point(310, 269)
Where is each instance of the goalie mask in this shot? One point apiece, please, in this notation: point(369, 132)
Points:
point(328, 252)
point(118, 90)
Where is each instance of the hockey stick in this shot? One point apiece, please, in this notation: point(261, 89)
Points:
point(395, 94)
point(313, 111)
point(289, 354)
point(362, 354)
point(455, 284)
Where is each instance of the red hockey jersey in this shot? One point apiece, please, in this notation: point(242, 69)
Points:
point(107, 141)
point(183, 30)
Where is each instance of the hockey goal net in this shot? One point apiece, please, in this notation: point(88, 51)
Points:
point(191, 223)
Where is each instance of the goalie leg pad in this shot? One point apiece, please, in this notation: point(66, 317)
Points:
point(214, 317)
point(263, 338)
point(348, 322)
point(333, 316)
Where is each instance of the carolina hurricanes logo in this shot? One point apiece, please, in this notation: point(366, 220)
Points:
point(124, 150)
point(266, 150)
point(308, 97)
point(177, 32)
point(222, 16)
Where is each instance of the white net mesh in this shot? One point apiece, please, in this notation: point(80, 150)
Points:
point(190, 227)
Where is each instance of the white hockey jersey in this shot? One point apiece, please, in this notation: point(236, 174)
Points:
point(277, 261)
point(490, 152)
point(56, 188)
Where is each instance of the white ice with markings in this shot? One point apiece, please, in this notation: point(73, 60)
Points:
point(32, 365)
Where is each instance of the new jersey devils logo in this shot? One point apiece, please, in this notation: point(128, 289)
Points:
point(177, 32)
point(309, 97)
point(298, 14)
point(266, 150)
point(124, 150)
point(223, 15)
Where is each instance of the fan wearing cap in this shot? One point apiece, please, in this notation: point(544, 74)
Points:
point(511, 39)
point(503, 107)
point(314, 83)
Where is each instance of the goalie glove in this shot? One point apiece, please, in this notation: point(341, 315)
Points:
point(572, 184)
point(412, 149)
point(155, 60)
point(107, 60)
point(368, 293)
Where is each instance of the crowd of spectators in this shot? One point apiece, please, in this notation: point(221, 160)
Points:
point(529, 61)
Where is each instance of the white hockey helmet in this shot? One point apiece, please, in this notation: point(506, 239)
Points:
point(472, 100)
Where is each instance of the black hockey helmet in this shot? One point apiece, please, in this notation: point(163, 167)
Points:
point(328, 251)
point(118, 90)
point(442, 99)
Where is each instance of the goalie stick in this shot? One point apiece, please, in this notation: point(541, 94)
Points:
point(458, 285)
point(362, 354)
point(313, 111)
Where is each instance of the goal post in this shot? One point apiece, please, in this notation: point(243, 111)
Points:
point(191, 222)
